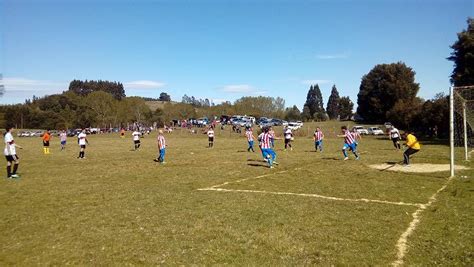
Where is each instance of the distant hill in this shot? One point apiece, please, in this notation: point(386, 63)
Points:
point(153, 105)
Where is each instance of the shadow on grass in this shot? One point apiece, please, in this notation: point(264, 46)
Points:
point(256, 160)
point(257, 165)
point(330, 158)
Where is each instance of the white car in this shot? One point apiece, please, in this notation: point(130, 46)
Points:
point(293, 126)
point(375, 131)
point(361, 130)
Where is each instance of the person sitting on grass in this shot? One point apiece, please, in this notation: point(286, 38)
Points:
point(413, 146)
point(349, 143)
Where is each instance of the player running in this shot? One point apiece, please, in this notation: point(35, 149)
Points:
point(318, 139)
point(161, 148)
point(82, 140)
point(413, 147)
point(250, 138)
point(63, 139)
point(288, 137)
point(272, 133)
point(349, 143)
point(394, 135)
point(357, 136)
point(46, 138)
point(136, 139)
point(10, 154)
point(267, 150)
point(210, 135)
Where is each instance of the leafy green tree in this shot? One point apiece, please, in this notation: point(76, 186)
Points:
point(102, 104)
point(86, 87)
point(463, 57)
point(405, 114)
point(292, 114)
point(382, 88)
point(435, 114)
point(306, 114)
point(165, 97)
point(345, 108)
point(333, 104)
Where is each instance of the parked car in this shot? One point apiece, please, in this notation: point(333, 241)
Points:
point(293, 126)
point(202, 122)
point(360, 129)
point(375, 131)
point(276, 122)
point(24, 134)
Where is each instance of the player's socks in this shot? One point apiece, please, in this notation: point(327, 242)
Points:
point(345, 153)
point(9, 171)
point(15, 168)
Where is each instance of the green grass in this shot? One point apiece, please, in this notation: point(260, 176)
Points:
point(119, 207)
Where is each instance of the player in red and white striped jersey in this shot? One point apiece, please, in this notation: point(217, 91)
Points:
point(161, 148)
point(266, 146)
point(318, 139)
point(349, 143)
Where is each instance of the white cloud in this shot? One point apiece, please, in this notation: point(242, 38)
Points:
point(333, 56)
point(24, 84)
point(312, 82)
point(238, 88)
point(143, 84)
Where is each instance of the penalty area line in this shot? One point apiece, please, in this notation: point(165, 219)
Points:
point(402, 246)
point(364, 200)
point(244, 179)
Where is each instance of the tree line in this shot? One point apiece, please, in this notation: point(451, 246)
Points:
point(388, 92)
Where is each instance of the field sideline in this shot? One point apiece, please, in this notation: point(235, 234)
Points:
point(224, 206)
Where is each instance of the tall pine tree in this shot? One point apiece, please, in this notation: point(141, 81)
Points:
point(333, 104)
point(314, 102)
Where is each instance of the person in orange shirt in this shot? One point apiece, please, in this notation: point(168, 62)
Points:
point(122, 133)
point(46, 138)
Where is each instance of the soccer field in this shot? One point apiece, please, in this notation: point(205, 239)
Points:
point(224, 206)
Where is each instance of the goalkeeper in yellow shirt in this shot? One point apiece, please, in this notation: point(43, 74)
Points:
point(413, 146)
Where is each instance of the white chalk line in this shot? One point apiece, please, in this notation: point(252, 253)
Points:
point(401, 245)
point(245, 179)
point(312, 195)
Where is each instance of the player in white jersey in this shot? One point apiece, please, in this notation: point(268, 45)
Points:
point(210, 135)
point(63, 138)
point(394, 135)
point(10, 154)
point(318, 139)
point(136, 139)
point(82, 140)
point(161, 148)
point(250, 138)
point(288, 137)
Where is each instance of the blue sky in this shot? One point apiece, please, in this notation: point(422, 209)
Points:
point(223, 50)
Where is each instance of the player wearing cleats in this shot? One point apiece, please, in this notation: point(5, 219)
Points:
point(10, 153)
point(394, 135)
point(349, 143)
point(250, 138)
point(288, 137)
point(136, 139)
point(161, 147)
point(413, 146)
point(318, 139)
point(210, 135)
point(63, 139)
point(46, 138)
point(82, 140)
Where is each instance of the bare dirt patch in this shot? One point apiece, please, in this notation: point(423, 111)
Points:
point(419, 167)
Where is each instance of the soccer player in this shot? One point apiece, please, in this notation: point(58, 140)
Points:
point(413, 146)
point(161, 148)
point(272, 133)
point(288, 136)
point(10, 154)
point(394, 135)
point(267, 149)
point(318, 139)
point(136, 139)
point(259, 139)
point(357, 136)
point(210, 134)
point(46, 138)
point(349, 143)
point(250, 138)
point(82, 140)
point(63, 138)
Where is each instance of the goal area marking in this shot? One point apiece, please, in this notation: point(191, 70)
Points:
point(402, 243)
